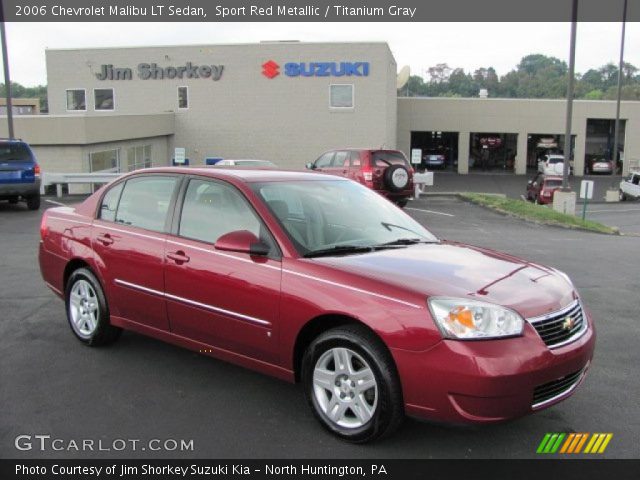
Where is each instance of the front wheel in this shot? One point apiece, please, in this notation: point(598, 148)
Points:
point(621, 196)
point(87, 309)
point(352, 385)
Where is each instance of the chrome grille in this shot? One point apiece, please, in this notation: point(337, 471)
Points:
point(562, 327)
point(548, 392)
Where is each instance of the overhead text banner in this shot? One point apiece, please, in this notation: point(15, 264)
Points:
point(314, 10)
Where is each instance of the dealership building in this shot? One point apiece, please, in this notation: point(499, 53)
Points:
point(121, 109)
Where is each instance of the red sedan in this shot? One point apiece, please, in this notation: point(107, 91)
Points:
point(317, 279)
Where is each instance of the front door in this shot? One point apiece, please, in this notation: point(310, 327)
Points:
point(224, 299)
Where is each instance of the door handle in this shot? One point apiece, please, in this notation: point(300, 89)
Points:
point(179, 257)
point(105, 239)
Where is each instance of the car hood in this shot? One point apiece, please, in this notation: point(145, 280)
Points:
point(458, 270)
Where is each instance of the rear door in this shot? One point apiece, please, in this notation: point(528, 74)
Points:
point(129, 240)
point(225, 299)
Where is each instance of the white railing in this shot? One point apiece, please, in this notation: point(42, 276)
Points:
point(59, 179)
point(420, 181)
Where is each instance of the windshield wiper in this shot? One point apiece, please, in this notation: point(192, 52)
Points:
point(339, 250)
point(404, 241)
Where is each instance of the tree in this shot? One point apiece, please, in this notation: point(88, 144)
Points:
point(19, 91)
point(439, 73)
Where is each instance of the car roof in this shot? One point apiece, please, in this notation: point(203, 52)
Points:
point(248, 175)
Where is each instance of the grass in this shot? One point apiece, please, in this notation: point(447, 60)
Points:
point(535, 213)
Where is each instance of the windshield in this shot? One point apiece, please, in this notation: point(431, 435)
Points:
point(254, 163)
point(14, 152)
point(323, 215)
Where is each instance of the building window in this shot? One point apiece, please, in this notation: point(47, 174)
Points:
point(76, 99)
point(183, 97)
point(103, 98)
point(341, 96)
point(104, 161)
point(138, 157)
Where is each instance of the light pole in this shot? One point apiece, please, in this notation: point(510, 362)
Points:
point(7, 78)
point(616, 130)
point(572, 68)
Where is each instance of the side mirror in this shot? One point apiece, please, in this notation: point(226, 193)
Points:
point(310, 166)
point(530, 182)
point(242, 241)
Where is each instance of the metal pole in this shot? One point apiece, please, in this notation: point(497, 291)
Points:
point(7, 78)
point(572, 68)
point(616, 130)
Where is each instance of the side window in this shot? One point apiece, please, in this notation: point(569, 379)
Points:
point(355, 159)
point(339, 159)
point(110, 203)
point(144, 202)
point(212, 209)
point(636, 180)
point(324, 160)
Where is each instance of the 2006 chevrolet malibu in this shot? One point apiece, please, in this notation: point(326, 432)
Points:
point(317, 279)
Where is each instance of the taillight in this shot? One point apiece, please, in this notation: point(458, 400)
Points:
point(44, 230)
point(367, 174)
point(36, 170)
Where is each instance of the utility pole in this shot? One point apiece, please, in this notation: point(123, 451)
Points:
point(617, 124)
point(572, 68)
point(7, 78)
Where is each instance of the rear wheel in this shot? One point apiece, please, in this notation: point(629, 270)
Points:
point(402, 202)
point(352, 385)
point(87, 310)
point(33, 202)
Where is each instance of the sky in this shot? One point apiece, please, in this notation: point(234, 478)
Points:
point(419, 45)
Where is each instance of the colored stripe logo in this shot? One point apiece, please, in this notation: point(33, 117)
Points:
point(573, 443)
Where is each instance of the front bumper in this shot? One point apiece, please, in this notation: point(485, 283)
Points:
point(20, 189)
point(489, 381)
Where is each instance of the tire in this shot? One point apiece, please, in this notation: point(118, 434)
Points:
point(621, 196)
point(33, 203)
point(402, 202)
point(537, 200)
point(362, 413)
point(87, 310)
point(396, 178)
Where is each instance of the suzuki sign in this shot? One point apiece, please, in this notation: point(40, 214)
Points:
point(271, 69)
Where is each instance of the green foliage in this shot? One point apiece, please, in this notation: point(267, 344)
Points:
point(536, 76)
point(20, 91)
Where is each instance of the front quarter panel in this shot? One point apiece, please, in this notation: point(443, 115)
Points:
point(400, 318)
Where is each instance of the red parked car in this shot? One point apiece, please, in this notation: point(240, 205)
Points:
point(386, 171)
point(316, 279)
point(540, 190)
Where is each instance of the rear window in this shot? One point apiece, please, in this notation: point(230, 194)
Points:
point(14, 152)
point(385, 159)
point(556, 160)
point(553, 183)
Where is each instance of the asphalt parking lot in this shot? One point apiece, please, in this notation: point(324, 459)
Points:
point(141, 388)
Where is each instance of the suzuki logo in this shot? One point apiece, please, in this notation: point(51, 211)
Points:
point(270, 69)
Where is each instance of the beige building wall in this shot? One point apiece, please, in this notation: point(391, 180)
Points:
point(519, 116)
point(244, 114)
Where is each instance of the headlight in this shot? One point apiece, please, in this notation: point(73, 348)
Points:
point(464, 319)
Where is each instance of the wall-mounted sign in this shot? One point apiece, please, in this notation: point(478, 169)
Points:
point(146, 71)
point(179, 155)
point(416, 156)
point(271, 69)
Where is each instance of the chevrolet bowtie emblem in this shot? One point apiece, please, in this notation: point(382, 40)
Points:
point(568, 323)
